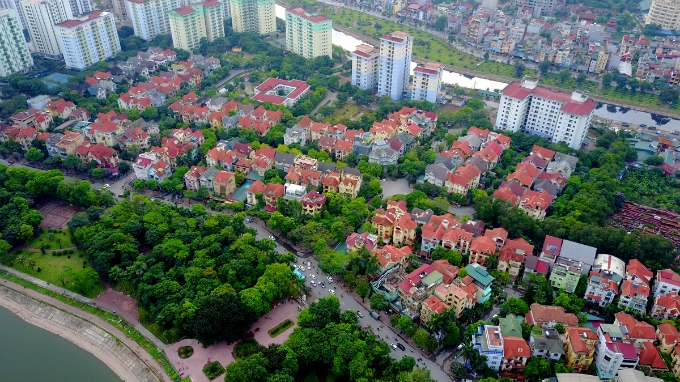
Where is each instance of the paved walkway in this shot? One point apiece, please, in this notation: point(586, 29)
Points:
point(36, 250)
point(223, 352)
point(144, 356)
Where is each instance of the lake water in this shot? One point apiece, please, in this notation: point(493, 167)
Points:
point(31, 354)
point(616, 113)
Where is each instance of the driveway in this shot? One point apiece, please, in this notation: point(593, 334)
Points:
point(461, 211)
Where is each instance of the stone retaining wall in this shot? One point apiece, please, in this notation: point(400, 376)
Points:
point(102, 344)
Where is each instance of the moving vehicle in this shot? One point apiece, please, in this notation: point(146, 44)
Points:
point(361, 315)
point(331, 291)
point(401, 347)
point(330, 279)
point(394, 346)
point(375, 315)
point(272, 237)
point(313, 283)
point(313, 277)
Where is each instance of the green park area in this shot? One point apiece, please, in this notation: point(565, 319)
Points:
point(65, 269)
point(52, 239)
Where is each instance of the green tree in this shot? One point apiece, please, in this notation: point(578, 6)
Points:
point(421, 337)
point(669, 95)
point(34, 155)
point(253, 368)
point(537, 369)
point(98, 173)
point(378, 302)
point(222, 318)
point(462, 273)
point(514, 305)
point(363, 289)
point(84, 280)
point(654, 160)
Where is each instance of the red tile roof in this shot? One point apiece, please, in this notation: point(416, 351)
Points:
point(650, 356)
point(636, 329)
point(514, 348)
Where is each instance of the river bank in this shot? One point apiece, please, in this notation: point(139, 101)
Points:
point(114, 352)
point(496, 77)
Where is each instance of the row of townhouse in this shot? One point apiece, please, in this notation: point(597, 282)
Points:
point(461, 168)
point(537, 181)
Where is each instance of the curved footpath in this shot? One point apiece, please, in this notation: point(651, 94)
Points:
point(122, 355)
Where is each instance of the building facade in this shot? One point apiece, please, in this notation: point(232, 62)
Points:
point(189, 24)
point(366, 67)
point(427, 82)
point(308, 35)
point(87, 40)
point(255, 16)
point(150, 17)
point(14, 53)
point(488, 341)
point(41, 17)
point(395, 64)
point(558, 116)
point(665, 13)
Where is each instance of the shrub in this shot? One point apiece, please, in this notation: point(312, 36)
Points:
point(247, 347)
point(213, 370)
point(39, 269)
point(185, 352)
point(80, 255)
point(84, 262)
point(280, 328)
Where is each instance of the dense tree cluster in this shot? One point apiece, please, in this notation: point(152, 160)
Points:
point(327, 340)
point(198, 274)
point(591, 195)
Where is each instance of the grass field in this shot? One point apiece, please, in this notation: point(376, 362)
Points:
point(347, 111)
point(425, 45)
point(62, 239)
point(55, 269)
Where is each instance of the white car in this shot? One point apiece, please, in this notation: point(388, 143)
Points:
point(308, 268)
point(313, 277)
point(272, 237)
point(313, 283)
point(330, 279)
point(361, 315)
point(331, 291)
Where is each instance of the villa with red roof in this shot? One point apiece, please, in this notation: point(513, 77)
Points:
point(634, 296)
point(271, 194)
point(666, 307)
point(280, 92)
point(516, 353)
point(61, 108)
point(481, 248)
point(535, 204)
point(431, 307)
point(390, 256)
point(558, 116)
point(668, 337)
point(666, 281)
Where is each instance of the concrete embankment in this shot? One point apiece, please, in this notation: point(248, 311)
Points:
point(125, 362)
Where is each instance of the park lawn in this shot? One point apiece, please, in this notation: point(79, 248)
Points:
point(346, 111)
point(51, 267)
point(62, 237)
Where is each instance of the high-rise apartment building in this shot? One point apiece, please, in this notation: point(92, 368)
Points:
point(226, 9)
point(427, 82)
point(150, 17)
point(557, 116)
point(16, 5)
point(88, 39)
point(308, 35)
point(542, 7)
point(41, 17)
point(191, 23)
point(79, 7)
point(119, 9)
point(665, 13)
point(14, 53)
point(395, 64)
point(366, 67)
point(255, 16)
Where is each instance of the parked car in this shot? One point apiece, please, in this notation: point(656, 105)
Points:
point(361, 315)
point(313, 283)
point(330, 279)
point(272, 237)
point(375, 315)
point(331, 291)
point(401, 347)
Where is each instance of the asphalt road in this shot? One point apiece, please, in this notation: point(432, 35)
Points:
point(347, 302)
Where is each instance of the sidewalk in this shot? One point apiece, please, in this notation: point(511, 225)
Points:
point(141, 352)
